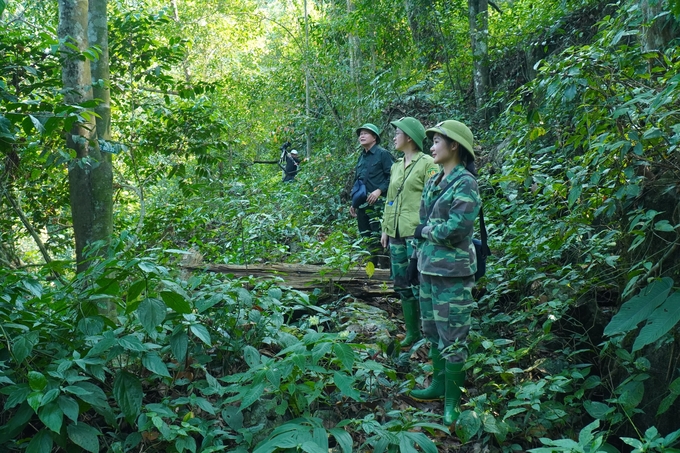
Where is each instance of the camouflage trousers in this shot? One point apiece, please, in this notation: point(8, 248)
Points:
point(400, 253)
point(446, 306)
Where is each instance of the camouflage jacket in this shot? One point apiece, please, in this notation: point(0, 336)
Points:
point(446, 248)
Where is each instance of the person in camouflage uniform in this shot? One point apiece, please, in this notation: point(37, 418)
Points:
point(447, 262)
point(400, 218)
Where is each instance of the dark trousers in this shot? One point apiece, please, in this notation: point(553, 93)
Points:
point(368, 221)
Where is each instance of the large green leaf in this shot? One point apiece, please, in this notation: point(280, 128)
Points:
point(179, 343)
point(343, 439)
point(345, 354)
point(638, 308)
point(345, 382)
point(41, 443)
point(153, 362)
point(85, 436)
point(52, 416)
point(37, 380)
point(660, 322)
point(176, 301)
point(151, 313)
point(467, 425)
point(201, 332)
point(128, 393)
point(69, 407)
point(252, 395)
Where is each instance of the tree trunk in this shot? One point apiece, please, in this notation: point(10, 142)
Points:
point(478, 16)
point(353, 42)
point(90, 173)
point(423, 25)
point(307, 277)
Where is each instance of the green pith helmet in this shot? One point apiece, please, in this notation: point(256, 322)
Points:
point(412, 128)
point(455, 130)
point(373, 129)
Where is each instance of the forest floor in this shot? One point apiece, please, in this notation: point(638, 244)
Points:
point(445, 443)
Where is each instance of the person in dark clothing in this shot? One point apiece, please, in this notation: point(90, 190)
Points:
point(373, 169)
point(292, 166)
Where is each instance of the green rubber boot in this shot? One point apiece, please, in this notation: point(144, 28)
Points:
point(436, 389)
point(455, 379)
point(411, 309)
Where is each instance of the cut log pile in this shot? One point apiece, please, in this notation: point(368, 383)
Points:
point(308, 277)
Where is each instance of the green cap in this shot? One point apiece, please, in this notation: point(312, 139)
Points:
point(372, 128)
point(455, 130)
point(412, 128)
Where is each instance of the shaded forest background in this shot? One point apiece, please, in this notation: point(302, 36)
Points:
point(129, 132)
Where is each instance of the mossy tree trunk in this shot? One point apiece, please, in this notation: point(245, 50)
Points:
point(90, 173)
point(478, 16)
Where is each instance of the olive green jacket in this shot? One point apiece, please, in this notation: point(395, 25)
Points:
point(403, 195)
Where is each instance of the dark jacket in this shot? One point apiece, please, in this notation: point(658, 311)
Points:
point(292, 167)
point(373, 168)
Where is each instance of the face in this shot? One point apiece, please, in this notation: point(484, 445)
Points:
point(366, 138)
point(400, 139)
point(442, 151)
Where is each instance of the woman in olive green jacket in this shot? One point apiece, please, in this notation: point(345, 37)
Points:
point(400, 218)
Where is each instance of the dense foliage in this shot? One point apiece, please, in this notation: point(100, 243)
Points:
point(573, 347)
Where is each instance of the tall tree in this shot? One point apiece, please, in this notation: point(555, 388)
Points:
point(422, 22)
point(90, 172)
point(478, 16)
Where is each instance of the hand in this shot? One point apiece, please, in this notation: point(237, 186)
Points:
point(373, 196)
point(384, 240)
point(352, 211)
point(412, 274)
point(419, 231)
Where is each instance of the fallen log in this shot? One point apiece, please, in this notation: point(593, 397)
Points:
point(308, 277)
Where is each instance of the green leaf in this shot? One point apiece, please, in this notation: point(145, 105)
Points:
point(666, 404)
point(16, 394)
point(201, 332)
point(23, 346)
point(251, 395)
point(52, 416)
point(343, 439)
point(128, 393)
point(233, 417)
point(423, 441)
point(312, 447)
point(638, 308)
point(185, 443)
point(37, 380)
point(345, 382)
point(251, 356)
point(345, 354)
point(135, 290)
point(467, 425)
point(153, 362)
point(41, 442)
point(660, 322)
point(69, 407)
point(176, 302)
point(179, 343)
point(597, 410)
point(631, 394)
point(151, 313)
point(85, 436)
point(132, 343)
point(33, 286)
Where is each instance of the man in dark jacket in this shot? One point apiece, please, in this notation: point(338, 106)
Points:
point(292, 166)
point(373, 169)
